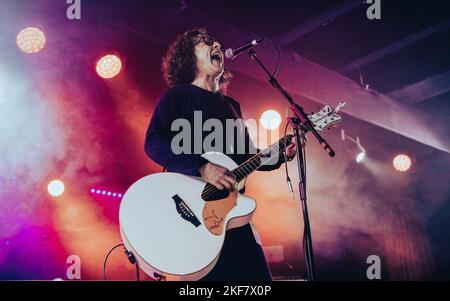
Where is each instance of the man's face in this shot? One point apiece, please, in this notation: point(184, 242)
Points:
point(209, 56)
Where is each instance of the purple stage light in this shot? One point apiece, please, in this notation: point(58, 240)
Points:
point(106, 193)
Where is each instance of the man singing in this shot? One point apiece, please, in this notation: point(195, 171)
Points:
point(194, 69)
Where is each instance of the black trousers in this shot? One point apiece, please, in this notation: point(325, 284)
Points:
point(242, 258)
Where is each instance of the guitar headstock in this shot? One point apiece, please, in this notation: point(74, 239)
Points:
point(326, 117)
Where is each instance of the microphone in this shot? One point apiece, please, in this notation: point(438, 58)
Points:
point(231, 53)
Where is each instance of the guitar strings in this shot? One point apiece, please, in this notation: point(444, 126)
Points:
point(212, 189)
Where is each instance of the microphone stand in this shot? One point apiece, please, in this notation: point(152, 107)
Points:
point(301, 125)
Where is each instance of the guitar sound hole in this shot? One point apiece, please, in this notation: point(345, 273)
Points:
point(211, 193)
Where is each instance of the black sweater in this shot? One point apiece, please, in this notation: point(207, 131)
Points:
point(180, 102)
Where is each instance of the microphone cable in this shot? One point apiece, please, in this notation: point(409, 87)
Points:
point(277, 50)
point(288, 179)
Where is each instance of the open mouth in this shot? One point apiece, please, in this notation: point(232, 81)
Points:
point(216, 57)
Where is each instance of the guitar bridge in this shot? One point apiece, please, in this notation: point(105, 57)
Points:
point(185, 212)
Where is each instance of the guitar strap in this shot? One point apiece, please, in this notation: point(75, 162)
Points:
point(236, 114)
point(255, 231)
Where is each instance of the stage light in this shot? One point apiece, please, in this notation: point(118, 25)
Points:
point(402, 162)
point(105, 193)
point(270, 119)
point(31, 40)
point(109, 66)
point(361, 150)
point(360, 157)
point(55, 188)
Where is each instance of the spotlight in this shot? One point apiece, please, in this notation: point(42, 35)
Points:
point(402, 162)
point(31, 40)
point(109, 66)
point(362, 151)
point(55, 188)
point(270, 119)
point(360, 157)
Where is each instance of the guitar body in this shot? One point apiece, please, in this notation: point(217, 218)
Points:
point(171, 230)
point(175, 225)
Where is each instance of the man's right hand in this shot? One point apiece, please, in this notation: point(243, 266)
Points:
point(218, 176)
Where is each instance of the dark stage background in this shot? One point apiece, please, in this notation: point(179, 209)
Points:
point(60, 120)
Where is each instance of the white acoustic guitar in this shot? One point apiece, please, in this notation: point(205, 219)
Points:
point(175, 224)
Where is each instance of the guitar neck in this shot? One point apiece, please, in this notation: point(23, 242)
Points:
point(263, 157)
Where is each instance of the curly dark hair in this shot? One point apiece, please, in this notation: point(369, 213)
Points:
point(179, 65)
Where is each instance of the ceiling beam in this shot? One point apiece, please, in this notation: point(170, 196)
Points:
point(425, 89)
point(315, 23)
point(406, 42)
